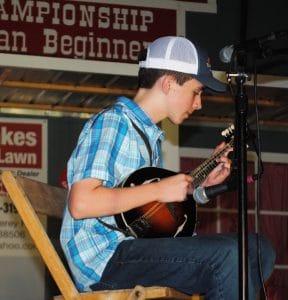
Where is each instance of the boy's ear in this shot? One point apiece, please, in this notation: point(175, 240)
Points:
point(167, 83)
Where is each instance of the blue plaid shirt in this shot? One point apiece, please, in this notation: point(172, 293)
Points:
point(109, 148)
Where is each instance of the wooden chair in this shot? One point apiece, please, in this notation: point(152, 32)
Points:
point(31, 197)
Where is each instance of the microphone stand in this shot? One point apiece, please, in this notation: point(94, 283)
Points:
point(241, 108)
point(239, 59)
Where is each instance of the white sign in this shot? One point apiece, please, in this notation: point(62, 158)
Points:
point(22, 149)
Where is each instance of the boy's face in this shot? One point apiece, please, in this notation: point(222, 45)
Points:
point(184, 100)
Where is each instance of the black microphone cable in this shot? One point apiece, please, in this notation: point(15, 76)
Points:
point(260, 172)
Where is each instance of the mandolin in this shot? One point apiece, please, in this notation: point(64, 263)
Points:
point(157, 219)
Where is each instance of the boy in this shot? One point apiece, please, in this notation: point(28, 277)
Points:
point(112, 145)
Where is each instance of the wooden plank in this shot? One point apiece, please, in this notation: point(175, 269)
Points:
point(69, 88)
point(139, 292)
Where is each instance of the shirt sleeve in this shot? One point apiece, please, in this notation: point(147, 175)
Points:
point(98, 148)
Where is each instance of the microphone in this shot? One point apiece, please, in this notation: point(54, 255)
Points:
point(202, 194)
point(226, 53)
point(253, 45)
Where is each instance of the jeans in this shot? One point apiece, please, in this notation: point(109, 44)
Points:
point(205, 264)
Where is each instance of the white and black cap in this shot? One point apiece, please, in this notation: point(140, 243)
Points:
point(180, 54)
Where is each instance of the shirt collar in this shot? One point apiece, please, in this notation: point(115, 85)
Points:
point(136, 110)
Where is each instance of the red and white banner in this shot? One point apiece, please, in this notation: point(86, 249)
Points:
point(82, 29)
point(86, 32)
point(20, 145)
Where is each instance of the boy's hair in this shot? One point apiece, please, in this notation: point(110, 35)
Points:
point(148, 77)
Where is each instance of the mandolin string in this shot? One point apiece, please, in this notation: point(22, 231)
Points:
point(151, 211)
point(202, 171)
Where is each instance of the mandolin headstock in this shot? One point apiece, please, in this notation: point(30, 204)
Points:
point(228, 134)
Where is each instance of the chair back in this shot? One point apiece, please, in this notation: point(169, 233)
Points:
point(30, 198)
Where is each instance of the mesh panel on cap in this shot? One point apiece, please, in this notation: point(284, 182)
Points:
point(172, 53)
point(183, 51)
point(157, 50)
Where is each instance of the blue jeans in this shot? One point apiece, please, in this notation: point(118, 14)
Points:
point(200, 264)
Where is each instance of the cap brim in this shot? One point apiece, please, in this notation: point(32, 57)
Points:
point(212, 83)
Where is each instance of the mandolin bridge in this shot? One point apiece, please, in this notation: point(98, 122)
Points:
point(140, 226)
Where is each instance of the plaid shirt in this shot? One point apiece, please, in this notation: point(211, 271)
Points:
point(109, 148)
